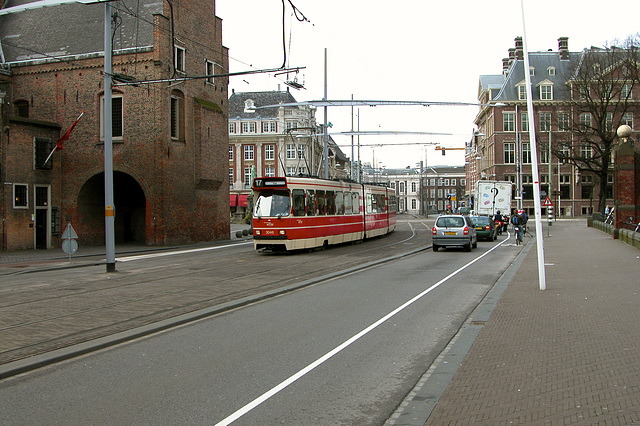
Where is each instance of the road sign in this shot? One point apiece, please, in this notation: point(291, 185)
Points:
point(69, 233)
point(547, 202)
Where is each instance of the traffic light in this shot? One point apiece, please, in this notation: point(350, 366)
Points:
point(443, 151)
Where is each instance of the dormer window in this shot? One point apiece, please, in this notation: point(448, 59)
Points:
point(522, 92)
point(552, 70)
point(249, 105)
point(546, 90)
point(532, 71)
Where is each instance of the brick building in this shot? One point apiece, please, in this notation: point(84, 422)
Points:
point(169, 137)
point(501, 149)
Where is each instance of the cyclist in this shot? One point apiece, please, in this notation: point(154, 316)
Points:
point(518, 223)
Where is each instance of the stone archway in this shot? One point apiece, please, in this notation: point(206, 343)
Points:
point(130, 204)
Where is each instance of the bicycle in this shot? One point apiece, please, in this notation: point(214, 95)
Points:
point(518, 234)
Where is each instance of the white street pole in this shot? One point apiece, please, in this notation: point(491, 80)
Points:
point(534, 158)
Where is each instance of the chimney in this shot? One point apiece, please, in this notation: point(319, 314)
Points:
point(519, 48)
point(512, 55)
point(506, 62)
point(563, 47)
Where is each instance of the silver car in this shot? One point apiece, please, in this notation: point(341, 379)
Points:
point(454, 230)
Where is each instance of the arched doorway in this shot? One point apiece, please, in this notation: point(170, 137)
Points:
point(130, 204)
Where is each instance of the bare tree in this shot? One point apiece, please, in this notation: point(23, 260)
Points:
point(602, 82)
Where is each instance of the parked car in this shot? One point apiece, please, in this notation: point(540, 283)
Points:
point(485, 227)
point(454, 231)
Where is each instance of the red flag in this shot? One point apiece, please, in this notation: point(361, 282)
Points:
point(63, 138)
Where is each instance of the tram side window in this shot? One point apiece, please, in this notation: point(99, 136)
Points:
point(298, 202)
point(311, 203)
point(380, 202)
point(355, 198)
point(339, 202)
point(331, 202)
point(348, 205)
point(322, 208)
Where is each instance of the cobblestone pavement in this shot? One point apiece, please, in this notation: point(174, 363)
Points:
point(567, 355)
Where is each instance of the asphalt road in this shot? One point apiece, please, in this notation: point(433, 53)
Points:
point(343, 351)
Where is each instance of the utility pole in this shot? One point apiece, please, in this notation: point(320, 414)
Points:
point(109, 209)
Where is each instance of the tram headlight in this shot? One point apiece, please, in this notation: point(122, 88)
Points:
point(257, 231)
point(282, 232)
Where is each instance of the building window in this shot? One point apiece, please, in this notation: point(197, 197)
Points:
point(302, 170)
point(20, 196)
point(552, 70)
point(526, 153)
point(177, 115)
point(508, 124)
point(42, 149)
point(292, 125)
point(300, 151)
point(414, 204)
point(453, 183)
point(248, 127)
point(608, 121)
point(247, 177)
point(532, 71)
point(524, 122)
point(509, 153)
point(269, 152)
point(22, 108)
point(563, 121)
point(179, 59)
point(291, 151)
point(248, 152)
point(291, 171)
point(230, 152)
point(413, 187)
point(585, 121)
point(522, 92)
point(269, 127)
point(232, 127)
point(545, 121)
point(627, 118)
point(626, 91)
point(402, 188)
point(543, 156)
point(230, 177)
point(209, 70)
point(546, 92)
point(446, 182)
point(586, 152)
point(269, 171)
point(117, 130)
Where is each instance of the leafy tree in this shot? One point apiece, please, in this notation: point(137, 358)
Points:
point(603, 83)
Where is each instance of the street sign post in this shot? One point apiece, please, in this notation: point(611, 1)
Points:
point(69, 243)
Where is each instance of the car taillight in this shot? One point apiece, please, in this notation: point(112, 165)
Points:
point(434, 231)
point(466, 230)
point(488, 228)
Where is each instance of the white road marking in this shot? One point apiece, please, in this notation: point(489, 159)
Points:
point(173, 253)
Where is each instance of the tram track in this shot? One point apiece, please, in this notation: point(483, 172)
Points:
point(76, 308)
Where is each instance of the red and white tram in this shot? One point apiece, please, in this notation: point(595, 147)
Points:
point(292, 213)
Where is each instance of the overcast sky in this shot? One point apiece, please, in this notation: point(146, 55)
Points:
point(405, 50)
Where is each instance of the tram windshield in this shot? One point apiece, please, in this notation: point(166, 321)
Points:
point(275, 203)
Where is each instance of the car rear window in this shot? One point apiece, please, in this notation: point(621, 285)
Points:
point(450, 222)
point(481, 220)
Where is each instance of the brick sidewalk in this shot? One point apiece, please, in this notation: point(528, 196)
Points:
point(566, 355)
